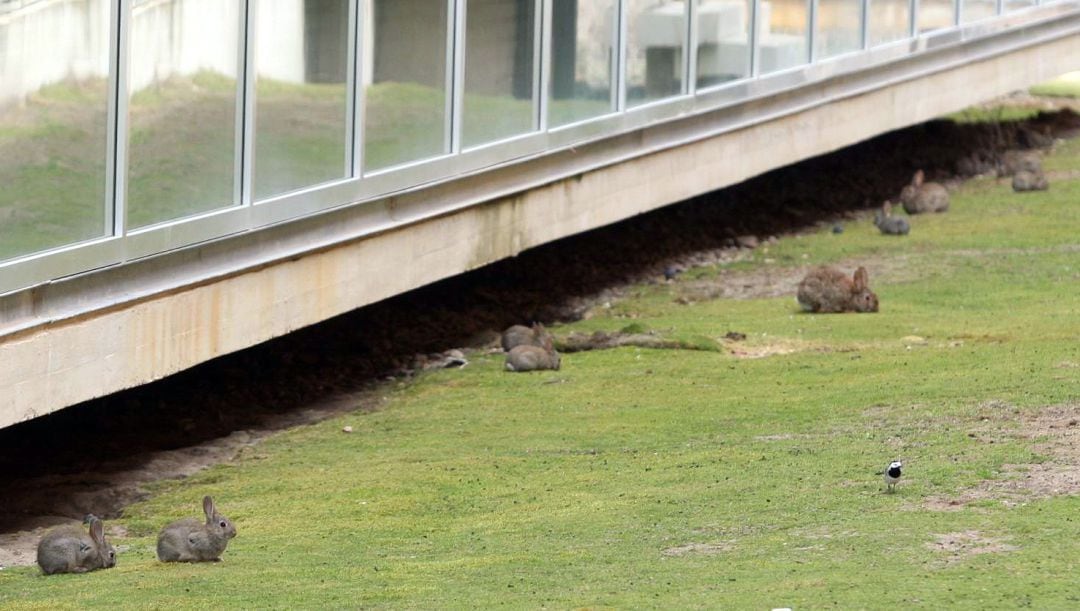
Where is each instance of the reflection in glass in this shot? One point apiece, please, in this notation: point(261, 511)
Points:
point(654, 52)
point(839, 28)
point(301, 68)
point(723, 52)
point(936, 14)
point(782, 34)
point(499, 75)
point(974, 10)
point(54, 67)
point(405, 98)
point(582, 54)
point(1016, 5)
point(182, 71)
point(889, 21)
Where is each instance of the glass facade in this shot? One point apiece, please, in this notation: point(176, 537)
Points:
point(654, 49)
point(974, 10)
point(405, 86)
point(1015, 5)
point(183, 62)
point(301, 94)
point(500, 75)
point(146, 122)
point(936, 14)
point(839, 28)
point(889, 20)
point(723, 44)
point(583, 56)
point(782, 34)
point(54, 95)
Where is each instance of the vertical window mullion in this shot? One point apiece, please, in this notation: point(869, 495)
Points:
point(354, 93)
point(457, 116)
point(691, 46)
point(117, 128)
point(245, 107)
point(543, 60)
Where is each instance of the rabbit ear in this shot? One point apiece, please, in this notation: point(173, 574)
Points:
point(918, 178)
point(208, 507)
point(887, 208)
point(862, 279)
point(97, 532)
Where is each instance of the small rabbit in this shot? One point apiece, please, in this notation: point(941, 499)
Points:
point(188, 540)
point(1029, 181)
point(520, 335)
point(70, 549)
point(827, 289)
point(533, 358)
point(888, 224)
point(919, 196)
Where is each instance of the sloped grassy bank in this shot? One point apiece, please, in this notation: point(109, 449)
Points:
point(743, 476)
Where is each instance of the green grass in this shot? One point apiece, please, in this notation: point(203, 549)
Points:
point(1066, 86)
point(479, 488)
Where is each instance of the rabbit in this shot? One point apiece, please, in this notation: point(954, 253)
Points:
point(520, 335)
point(188, 540)
point(888, 224)
point(70, 549)
point(1025, 180)
point(533, 358)
point(827, 289)
point(919, 196)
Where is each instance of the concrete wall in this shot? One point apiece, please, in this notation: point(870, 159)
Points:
point(55, 363)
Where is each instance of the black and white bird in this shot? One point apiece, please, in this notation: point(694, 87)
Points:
point(892, 474)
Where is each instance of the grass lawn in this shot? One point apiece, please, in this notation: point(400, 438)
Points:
point(638, 478)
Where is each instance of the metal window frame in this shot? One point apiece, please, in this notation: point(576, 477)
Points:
point(123, 245)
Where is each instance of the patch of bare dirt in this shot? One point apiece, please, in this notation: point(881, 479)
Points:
point(1052, 432)
point(707, 549)
point(958, 546)
point(603, 340)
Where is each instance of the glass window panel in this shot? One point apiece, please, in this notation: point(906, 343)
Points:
point(499, 75)
point(654, 52)
point(582, 56)
point(301, 67)
point(1016, 5)
point(405, 97)
point(889, 21)
point(782, 34)
point(974, 10)
point(723, 52)
point(54, 68)
point(839, 28)
point(182, 70)
point(936, 14)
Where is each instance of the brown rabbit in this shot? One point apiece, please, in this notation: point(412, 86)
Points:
point(533, 358)
point(70, 549)
point(827, 289)
point(189, 540)
point(919, 196)
point(520, 335)
point(1029, 181)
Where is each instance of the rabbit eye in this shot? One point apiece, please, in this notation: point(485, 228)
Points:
point(112, 554)
point(223, 523)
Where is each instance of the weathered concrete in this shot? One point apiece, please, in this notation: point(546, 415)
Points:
point(52, 362)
